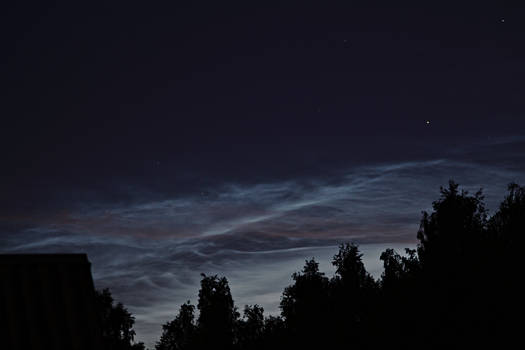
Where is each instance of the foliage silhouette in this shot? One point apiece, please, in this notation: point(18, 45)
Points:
point(250, 330)
point(217, 314)
point(179, 334)
point(459, 288)
point(305, 306)
point(116, 323)
point(353, 295)
point(454, 253)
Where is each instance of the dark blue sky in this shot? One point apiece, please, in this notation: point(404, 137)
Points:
point(168, 139)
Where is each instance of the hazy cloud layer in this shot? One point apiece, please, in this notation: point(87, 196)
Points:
point(151, 252)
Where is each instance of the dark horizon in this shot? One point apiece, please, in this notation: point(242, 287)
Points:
point(165, 140)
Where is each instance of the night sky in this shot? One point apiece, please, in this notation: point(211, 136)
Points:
point(169, 139)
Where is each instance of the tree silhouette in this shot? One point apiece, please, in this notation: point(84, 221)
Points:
point(504, 266)
point(400, 296)
point(459, 289)
point(179, 334)
point(506, 226)
point(250, 329)
point(217, 314)
point(453, 254)
point(450, 231)
point(305, 305)
point(353, 295)
point(399, 272)
point(275, 336)
point(116, 323)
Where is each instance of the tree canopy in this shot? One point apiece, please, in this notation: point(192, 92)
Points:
point(459, 288)
point(116, 323)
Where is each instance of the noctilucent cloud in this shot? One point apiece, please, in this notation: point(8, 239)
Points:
point(166, 140)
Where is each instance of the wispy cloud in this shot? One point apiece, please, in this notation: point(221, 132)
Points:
point(150, 252)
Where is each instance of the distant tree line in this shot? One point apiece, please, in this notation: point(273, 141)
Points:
point(461, 287)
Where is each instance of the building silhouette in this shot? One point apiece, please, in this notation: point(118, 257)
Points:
point(47, 301)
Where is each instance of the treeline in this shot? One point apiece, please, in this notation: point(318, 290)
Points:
point(461, 287)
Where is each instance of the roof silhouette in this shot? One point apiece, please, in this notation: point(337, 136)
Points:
point(47, 302)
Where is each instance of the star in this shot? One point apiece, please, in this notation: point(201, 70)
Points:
point(502, 20)
point(428, 122)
